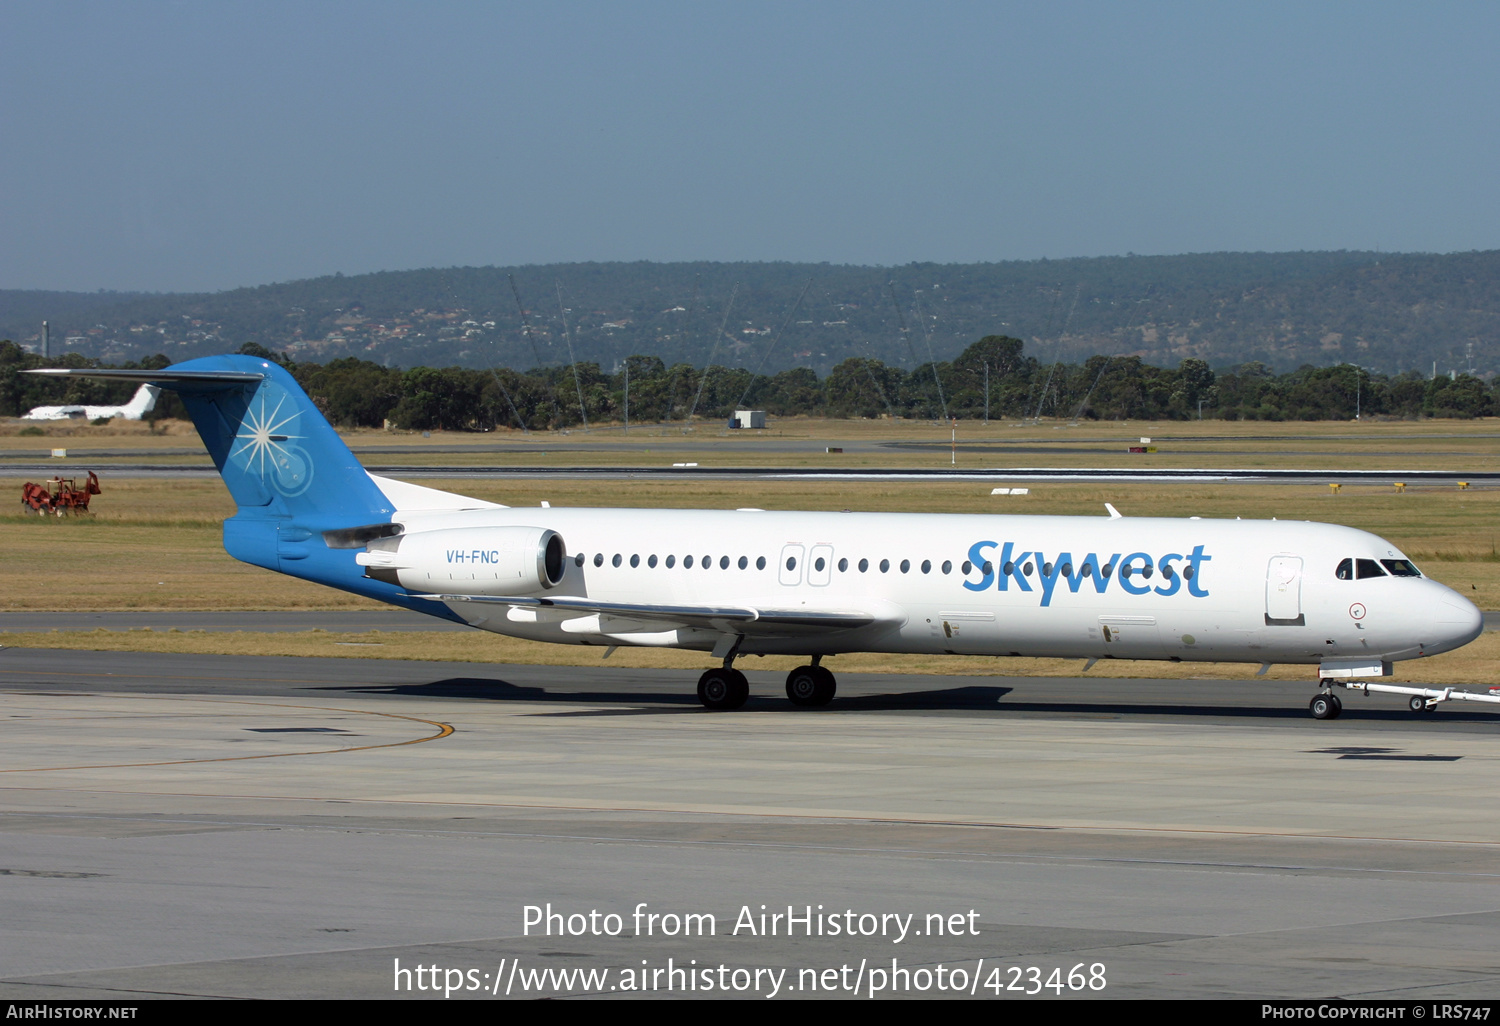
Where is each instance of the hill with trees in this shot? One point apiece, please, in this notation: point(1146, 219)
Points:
point(1388, 313)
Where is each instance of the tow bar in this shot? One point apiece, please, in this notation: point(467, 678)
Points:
point(1420, 699)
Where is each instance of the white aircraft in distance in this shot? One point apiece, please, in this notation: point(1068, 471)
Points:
point(732, 583)
point(140, 404)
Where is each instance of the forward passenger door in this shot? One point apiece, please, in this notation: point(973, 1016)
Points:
point(1284, 592)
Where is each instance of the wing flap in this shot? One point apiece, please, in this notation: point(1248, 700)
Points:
point(735, 619)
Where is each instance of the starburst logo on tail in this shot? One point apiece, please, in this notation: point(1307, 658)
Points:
point(266, 443)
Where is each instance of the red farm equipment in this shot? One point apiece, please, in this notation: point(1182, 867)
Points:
point(60, 496)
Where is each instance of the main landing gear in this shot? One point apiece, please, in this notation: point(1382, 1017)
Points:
point(810, 685)
point(726, 688)
point(723, 689)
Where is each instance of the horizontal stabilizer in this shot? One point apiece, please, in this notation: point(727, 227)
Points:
point(195, 381)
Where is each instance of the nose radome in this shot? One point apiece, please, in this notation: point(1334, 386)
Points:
point(1462, 612)
point(1457, 620)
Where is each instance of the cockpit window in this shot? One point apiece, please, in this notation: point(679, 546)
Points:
point(1401, 568)
point(1368, 568)
point(1345, 571)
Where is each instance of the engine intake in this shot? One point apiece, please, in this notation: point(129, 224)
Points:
point(469, 561)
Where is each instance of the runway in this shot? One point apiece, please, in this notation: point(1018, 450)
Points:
point(263, 827)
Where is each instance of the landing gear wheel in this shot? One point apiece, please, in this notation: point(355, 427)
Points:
point(810, 686)
point(723, 689)
point(1325, 707)
point(1418, 704)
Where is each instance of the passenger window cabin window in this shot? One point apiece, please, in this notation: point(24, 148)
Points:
point(578, 559)
point(598, 559)
point(927, 566)
point(744, 563)
point(723, 562)
point(791, 562)
point(687, 562)
point(1087, 570)
point(885, 566)
point(1187, 573)
point(1367, 568)
point(966, 568)
point(1009, 568)
point(760, 562)
point(708, 562)
point(987, 568)
point(616, 560)
point(843, 565)
point(1046, 569)
point(1027, 568)
point(947, 566)
point(671, 562)
point(1345, 571)
point(818, 563)
point(635, 560)
point(905, 565)
point(1401, 568)
point(651, 561)
point(864, 564)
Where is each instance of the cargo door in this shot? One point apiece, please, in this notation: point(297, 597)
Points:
point(967, 631)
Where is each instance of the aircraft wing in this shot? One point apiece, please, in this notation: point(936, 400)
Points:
point(751, 620)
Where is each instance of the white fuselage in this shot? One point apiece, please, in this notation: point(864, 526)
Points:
point(140, 404)
point(1225, 590)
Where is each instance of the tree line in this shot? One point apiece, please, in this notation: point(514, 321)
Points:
point(993, 377)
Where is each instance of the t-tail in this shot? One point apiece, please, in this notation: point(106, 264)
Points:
point(142, 403)
point(305, 505)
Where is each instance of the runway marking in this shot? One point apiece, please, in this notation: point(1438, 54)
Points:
point(829, 817)
point(444, 730)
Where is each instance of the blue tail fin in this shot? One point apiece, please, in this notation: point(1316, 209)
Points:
point(276, 453)
point(290, 474)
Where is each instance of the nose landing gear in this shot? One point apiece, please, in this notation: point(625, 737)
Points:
point(1325, 706)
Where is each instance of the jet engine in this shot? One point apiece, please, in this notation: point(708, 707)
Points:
point(468, 561)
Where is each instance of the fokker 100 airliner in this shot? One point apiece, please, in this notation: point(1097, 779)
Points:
point(742, 582)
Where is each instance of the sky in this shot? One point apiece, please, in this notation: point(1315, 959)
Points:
point(189, 146)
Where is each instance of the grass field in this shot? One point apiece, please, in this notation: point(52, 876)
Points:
point(1454, 445)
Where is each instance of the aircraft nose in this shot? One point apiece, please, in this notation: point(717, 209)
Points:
point(1458, 620)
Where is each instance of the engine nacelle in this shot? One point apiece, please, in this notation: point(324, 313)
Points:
point(469, 561)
